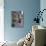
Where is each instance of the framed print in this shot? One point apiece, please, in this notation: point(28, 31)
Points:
point(17, 18)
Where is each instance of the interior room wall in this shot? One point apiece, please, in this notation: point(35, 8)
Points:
point(29, 7)
point(43, 6)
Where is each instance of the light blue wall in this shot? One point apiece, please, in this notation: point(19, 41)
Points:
point(29, 7)
point(43, 6)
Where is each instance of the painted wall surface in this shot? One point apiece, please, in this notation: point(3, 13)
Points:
point(29, 7)
point(43, 6)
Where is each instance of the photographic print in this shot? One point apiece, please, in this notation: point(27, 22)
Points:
point(17, 18)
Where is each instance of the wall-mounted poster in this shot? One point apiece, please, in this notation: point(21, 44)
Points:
point(17, 18)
